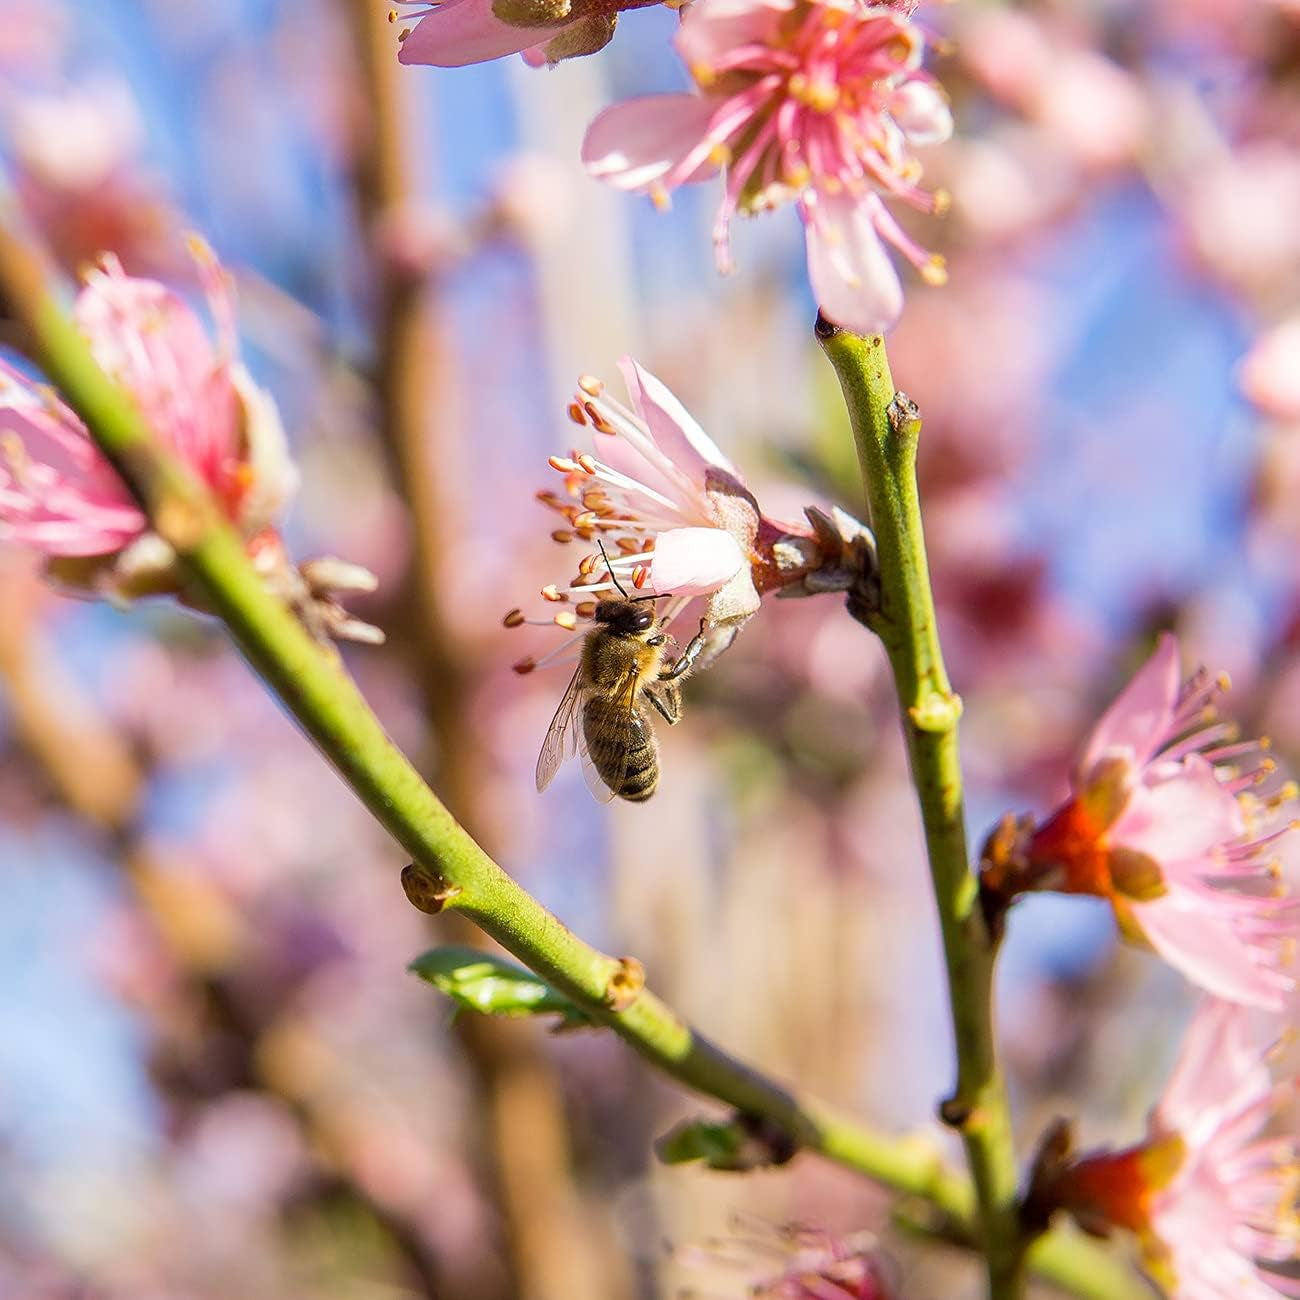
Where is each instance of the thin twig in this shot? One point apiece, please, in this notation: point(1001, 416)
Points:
point(885, 428)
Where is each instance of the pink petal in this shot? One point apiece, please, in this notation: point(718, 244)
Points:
point(67, 500)
point(152, 343)
point(462, 32)
point(695, 561)
point(635, 143)
point(852, 276)
point(671, 425)
point(1220, 1049)
point(1138, 722)
point(922, 112)
point(1205, 946)
point(710, 31)
point(1181, 820)
point(1270, 374)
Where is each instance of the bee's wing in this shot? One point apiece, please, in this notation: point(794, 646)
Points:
point(608, 748)
point(562, 735)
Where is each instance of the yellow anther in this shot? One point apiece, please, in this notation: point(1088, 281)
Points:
point(935, 271)
point(823, 96)
point(940, 202)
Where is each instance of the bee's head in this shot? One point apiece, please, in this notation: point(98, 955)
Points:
point(626, 617)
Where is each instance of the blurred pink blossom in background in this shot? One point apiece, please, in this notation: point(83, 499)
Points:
point(59, 494)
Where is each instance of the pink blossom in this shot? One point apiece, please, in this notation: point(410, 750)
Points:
point(60, 496)
point(1209, 1193)
point(819, 101)
point(673, 515)
point(1167, 822)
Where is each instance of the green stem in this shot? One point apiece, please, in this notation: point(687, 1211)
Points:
point(886, 431)
point(314, 688)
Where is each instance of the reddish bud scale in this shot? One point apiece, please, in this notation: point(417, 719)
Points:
point(1072, 842)
point(1117, 1187)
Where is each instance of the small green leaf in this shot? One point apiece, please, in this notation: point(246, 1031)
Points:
point(736, 1145)
point(717, 1145)
point(493, 986)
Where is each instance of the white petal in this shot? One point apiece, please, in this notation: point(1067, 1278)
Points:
point(920, 109)
point(852, 276)
point(695, 561)
point(671, 425)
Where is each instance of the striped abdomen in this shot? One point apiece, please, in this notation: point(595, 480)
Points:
point(622, 748)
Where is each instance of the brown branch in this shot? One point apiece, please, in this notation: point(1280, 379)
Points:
point(555, 1248)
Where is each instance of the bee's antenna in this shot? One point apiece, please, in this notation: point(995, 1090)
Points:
point(613, 577)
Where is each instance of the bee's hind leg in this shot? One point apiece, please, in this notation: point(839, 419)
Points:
point(667, 700)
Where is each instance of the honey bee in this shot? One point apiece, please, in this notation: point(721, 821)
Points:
point(603, 715)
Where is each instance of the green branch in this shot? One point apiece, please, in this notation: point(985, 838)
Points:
point(448, 868)
point(885, 428)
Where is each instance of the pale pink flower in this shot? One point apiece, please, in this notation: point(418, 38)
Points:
point(1211, 1193)
point(59, 495)
point(675, 518)
point(816, 101)
point(1167, 822)
point(824, 1267)
point(1270, 374)
point(455, 33)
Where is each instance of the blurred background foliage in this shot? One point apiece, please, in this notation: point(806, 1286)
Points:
point(216, 1077)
